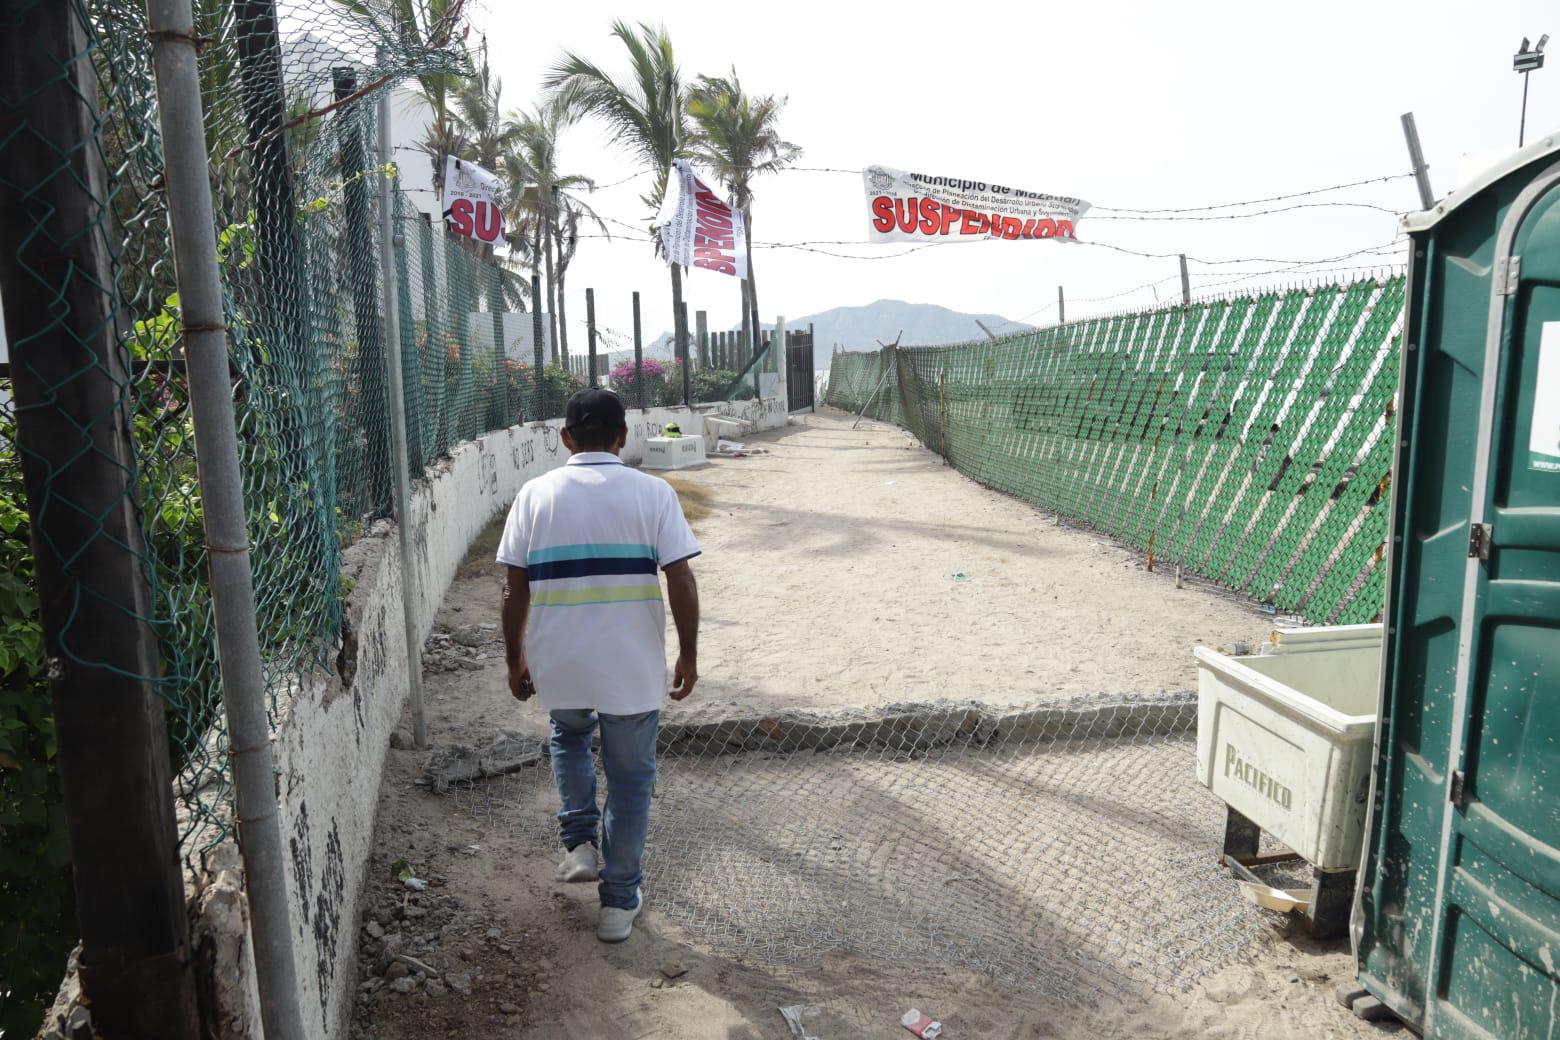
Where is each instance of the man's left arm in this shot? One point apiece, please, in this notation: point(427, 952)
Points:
point(516, 609)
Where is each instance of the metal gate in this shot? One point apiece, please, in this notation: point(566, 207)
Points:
point(799, 380)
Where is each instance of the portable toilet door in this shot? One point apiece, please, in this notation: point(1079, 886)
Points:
point(1457, 919)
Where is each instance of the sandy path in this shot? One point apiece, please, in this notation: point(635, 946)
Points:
point(826, 584)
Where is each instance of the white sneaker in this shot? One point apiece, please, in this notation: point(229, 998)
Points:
point(616, 924)
point(579, 864)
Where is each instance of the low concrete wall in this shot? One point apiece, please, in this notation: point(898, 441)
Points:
point(330, 743)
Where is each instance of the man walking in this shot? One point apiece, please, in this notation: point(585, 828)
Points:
point(585, 630)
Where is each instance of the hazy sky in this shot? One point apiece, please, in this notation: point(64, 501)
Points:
point(1126, 105)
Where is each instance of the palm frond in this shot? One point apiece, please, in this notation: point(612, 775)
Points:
point(646, 109)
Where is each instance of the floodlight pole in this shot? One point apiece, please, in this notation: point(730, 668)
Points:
point(1526, 62)
point(1416, 155)
point(1522, 124)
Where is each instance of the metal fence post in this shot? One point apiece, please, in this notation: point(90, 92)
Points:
point(746, 343)
point(365, 296)
point(279, 254)
point(681, 327)
point(1061, 306)
point(390, 243)
point(414, 399)
point(639, 358)
point(71, 389)
point(590, 330)
point(1186, 284)
point(497, 412)
point(222, 499)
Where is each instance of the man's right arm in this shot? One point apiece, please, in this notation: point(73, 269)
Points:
point(682, 593)
point(514, 612)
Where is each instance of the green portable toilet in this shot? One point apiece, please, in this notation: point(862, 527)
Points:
point(1457, 919)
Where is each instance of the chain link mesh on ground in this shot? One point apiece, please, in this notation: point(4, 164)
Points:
point(1067, 849)
point(1247, 439)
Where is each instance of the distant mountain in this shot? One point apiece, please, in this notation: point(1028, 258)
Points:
point(860, 328)
point(923, 324)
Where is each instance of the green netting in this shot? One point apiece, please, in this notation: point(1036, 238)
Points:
point(1247, 439)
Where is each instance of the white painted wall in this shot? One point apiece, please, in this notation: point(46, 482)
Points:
point(331, 741)
point(409, 117)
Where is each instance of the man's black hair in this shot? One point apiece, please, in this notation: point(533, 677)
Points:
point(595, 437)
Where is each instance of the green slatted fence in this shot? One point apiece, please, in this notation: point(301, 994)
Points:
point(1246, 439)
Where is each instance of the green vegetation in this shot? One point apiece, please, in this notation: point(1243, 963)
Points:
point(37, 904)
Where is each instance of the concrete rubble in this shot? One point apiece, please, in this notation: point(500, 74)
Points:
point(428, 946)
point(507, 752)
point(463, 648)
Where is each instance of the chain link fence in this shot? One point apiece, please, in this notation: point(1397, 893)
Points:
point(291, 106)
point(291, 109)
point(290, 93)
point(1245, 439)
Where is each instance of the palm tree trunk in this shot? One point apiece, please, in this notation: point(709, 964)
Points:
point(563, 323)
point(552, 287)
point(752, 288)
point(536, 256)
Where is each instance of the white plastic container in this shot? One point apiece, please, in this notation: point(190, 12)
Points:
point(673, 452)
point(1285, 738)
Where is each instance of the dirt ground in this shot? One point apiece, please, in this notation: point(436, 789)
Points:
point(828, 581)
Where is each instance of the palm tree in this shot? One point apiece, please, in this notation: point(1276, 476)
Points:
point(546, 204)
point(568, 213)
point(647, 110)
point(443, 134)
point(738, 138)
point(478, 109)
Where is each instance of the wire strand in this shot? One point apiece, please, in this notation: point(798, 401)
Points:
point(1270, 198)
point(1244, 216)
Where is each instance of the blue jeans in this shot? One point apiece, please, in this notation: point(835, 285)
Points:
point(628, 759)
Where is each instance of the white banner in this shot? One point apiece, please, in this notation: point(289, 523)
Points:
point(918, 207)
point(698, 229)
point(471, 201)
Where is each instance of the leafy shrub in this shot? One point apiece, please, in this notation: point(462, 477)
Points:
point(622, 379)
point(37, 903)
point(558, 385)
point(710, 384)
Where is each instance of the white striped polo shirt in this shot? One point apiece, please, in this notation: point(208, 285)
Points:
point(591, 535)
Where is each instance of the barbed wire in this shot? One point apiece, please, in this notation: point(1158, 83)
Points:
point(812, 246)
point(808, 247)
point(1235, 260)
point(1270, 198)
point(1239, 276)
point(1244, 216)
